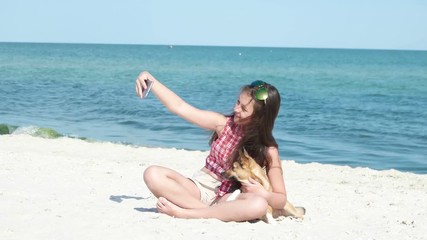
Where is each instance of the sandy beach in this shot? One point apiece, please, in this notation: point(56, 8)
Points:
point(73, 189)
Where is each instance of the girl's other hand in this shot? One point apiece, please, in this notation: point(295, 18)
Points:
point(253, 187)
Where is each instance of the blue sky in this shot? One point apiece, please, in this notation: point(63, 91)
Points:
point(368, 24)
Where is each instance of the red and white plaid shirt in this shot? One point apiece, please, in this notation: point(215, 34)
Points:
point(221, 149)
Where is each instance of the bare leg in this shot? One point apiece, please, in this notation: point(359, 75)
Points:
point(165, 182)
point(246, 207)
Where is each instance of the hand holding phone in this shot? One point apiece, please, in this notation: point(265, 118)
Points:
point(147, 90)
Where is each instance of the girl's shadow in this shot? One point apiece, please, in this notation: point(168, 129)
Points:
point(120, 198)
point(153, 210)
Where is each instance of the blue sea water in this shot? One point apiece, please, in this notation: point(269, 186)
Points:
point(348, 107)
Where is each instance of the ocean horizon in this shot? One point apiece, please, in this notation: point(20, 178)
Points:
point(222, 46)
point(354, 107)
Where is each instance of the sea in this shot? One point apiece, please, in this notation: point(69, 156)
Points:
point(352, 107)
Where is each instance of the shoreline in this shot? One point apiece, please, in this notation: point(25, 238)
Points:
point(74, 189)
point(51, 133)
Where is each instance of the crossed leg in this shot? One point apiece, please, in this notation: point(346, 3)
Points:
point(167, 183)
point(245, 208)
point(179, 197)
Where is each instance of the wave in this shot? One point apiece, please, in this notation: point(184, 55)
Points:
point(49, 133)
point(34, 131)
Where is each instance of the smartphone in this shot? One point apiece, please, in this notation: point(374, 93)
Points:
point(148, 89)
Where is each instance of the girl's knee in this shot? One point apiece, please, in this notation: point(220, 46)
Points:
point(152, 174)
point(259, 206)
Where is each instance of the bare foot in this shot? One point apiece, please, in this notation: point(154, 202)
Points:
point(295, 212)
point(166, 207)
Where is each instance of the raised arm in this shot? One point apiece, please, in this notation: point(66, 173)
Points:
point(205, 119)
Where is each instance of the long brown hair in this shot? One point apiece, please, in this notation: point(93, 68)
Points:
point(258, 132)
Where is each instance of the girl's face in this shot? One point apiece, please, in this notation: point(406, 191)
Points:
point(244, 108)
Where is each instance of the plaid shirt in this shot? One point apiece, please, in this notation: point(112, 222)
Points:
point(221, 149)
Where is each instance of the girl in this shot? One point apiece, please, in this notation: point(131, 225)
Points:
point(205, 194)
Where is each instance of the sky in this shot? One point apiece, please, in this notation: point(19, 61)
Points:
point(358, 24)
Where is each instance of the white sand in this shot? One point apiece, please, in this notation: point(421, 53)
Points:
point(72, 189)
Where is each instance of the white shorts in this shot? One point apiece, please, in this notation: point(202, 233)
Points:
point(207, 185)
